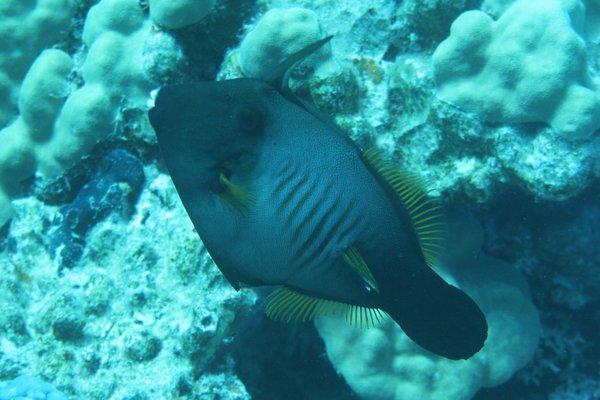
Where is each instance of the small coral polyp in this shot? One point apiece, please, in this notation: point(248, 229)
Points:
point(528, 66)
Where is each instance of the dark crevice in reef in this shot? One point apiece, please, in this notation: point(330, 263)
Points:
point(391, 53)
point(513, 390)
point(65, 188)
point(519, 227)
point(114, 187)
point(276, 360)
point(517, 211)
point(4, 231)
point(205, 44)
point(72, 38)
point(427, 23)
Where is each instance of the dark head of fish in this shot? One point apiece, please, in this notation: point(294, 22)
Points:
point(218, 125)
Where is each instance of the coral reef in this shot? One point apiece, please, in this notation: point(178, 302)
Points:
point(26, 387)
point(174, 14)
point(74, 118)
point(379, 95)
point(551, 244)
point(144, 302)
point(43, 92)
point(107, 292)
point(114, 32)
point(423, 23)
point(273, 360)
point(27, 28)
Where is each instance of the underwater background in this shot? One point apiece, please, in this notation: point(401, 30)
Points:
point(106, 291)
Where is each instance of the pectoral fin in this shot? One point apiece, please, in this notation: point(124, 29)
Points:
point(235, 195)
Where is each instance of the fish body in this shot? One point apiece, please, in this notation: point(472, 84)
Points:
point(314, 197)
point(282, 197)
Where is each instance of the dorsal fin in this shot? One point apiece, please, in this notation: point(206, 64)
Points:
point(288, 305)
point(280, 75)
point(424, 210)
point(353, 258)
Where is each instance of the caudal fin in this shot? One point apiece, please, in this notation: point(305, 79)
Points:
point(437, 316)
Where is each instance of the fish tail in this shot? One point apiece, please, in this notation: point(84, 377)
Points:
point(437, 316)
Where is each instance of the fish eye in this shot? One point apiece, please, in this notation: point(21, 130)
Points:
point(250, 119)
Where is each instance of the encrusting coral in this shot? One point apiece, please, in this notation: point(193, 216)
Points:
point(175, 14)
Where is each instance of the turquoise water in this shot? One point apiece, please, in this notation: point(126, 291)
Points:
point(107, 291)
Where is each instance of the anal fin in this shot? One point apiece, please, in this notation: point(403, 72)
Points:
point(288, 305)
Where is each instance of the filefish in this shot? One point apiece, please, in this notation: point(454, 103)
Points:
point(280, 196)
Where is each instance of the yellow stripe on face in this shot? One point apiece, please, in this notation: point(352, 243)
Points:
point(235, 195)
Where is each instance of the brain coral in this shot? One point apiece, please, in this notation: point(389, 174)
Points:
point(59, 122)
point(383, 364)
point(43, 93)
point(277, 35)
point(175, 14)
point(26, 28)
point(528, 66)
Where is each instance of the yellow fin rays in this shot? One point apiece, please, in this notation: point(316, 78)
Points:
point(235, 195)
point(287, 305)
point(424, 211)
point(355, 260)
